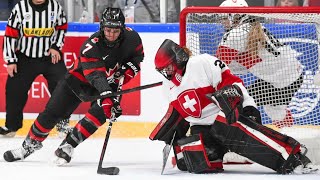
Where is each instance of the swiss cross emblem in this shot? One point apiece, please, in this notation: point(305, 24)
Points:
point(189, 101)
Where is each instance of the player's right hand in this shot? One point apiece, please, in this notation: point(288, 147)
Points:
point(11, 69)
point(111, 107)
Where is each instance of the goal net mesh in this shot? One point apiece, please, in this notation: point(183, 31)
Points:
point(275, 54)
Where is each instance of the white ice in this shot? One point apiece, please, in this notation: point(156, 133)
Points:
point(138, 159)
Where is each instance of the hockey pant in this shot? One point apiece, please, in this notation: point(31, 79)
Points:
point(61, 105)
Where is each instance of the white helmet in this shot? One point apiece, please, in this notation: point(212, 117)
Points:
point(234, 3)
point(234, 19)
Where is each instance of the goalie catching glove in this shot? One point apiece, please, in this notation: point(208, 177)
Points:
point(229, 99)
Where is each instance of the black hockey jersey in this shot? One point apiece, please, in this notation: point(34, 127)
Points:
point(98, 62)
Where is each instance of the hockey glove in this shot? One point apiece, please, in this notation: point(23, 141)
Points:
point(252, 113)
point(111, 107)
point(128, 70)
point(229, 99)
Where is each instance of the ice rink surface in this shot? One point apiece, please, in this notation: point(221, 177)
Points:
point(138, 159)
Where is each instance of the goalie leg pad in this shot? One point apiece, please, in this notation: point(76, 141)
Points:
point(214, 148)
point(257, 143)
point(180, 160)
point(195, 156)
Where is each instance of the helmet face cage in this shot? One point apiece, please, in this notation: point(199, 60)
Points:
point(168, 71)
point(181, 57)
point(169, 58)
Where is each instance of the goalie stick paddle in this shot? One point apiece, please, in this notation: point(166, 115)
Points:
point(86, 98)
point(109, 170)
point(166, 152)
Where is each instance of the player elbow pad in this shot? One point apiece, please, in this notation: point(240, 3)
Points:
point(170, 123)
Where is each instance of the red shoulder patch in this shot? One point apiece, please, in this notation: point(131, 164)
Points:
point(95, 40)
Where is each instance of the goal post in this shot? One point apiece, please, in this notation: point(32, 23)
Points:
point(275, 51)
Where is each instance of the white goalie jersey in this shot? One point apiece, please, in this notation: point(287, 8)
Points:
point(204, 75)
point(274, 62)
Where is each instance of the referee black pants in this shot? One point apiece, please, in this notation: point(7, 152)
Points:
point(17, 87)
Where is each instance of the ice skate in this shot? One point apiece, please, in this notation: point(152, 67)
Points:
point(63, 154)
point(305, 167)
point(28, 147)
point(298, 164)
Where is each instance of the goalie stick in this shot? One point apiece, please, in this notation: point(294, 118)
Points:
point(85, 98)
point(109, 170)
point(166, 152)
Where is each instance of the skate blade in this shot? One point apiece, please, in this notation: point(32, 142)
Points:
point(305, 170)
point(60, 162)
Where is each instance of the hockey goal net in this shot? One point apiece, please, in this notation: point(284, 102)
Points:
point(275, 51)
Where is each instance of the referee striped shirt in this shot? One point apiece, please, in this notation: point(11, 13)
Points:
point(33, 30)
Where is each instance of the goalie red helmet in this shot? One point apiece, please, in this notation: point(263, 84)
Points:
point(169, 58)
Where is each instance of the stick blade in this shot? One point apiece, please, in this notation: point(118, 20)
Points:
point(108, 171)
point(165, 155)
point(166, 152)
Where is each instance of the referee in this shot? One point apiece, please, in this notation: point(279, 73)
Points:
point(33, 40)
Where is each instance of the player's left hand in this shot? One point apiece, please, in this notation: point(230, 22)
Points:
point(55, 56)
point(128, 70)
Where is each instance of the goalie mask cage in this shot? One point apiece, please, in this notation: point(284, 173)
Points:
point(275, 51)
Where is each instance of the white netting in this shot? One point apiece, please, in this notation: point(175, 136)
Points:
point(275, 54)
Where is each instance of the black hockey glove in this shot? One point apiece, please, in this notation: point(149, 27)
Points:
point(229, 99)
point(116, 109)
point(128, 70)
point(111, 107)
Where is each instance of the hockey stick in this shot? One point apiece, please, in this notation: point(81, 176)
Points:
point(109, 170)
point(166, 152)
point(86, 98)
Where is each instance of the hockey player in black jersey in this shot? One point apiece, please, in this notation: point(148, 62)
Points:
point(112, 52)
